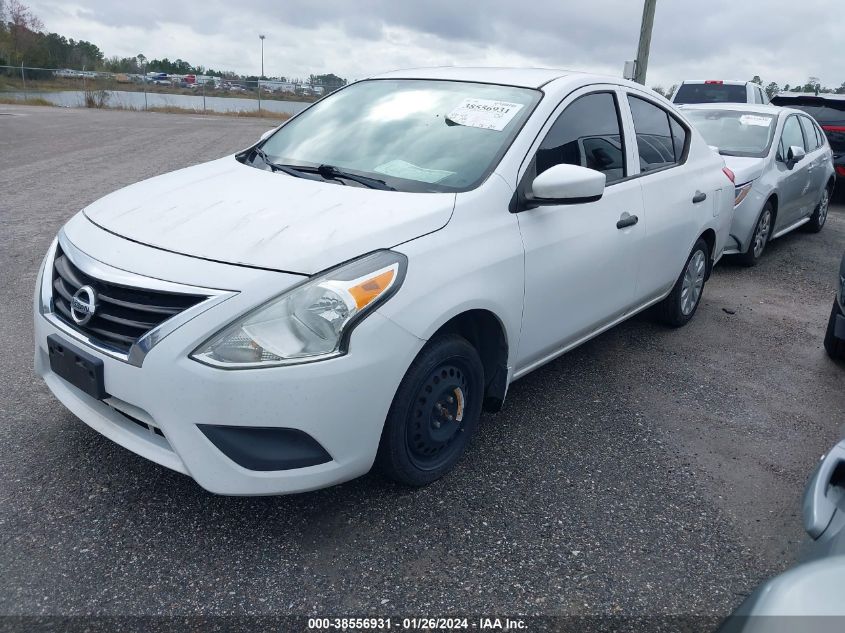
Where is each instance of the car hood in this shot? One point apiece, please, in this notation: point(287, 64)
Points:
point(745, 169)
point(230, 212)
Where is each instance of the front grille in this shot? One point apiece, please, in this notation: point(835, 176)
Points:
point(123, 314)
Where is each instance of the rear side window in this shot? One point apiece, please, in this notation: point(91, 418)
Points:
point(679, 138)
point(587, 133)
point(810, 138)
point(658, 144)
point(711, 93)
point(791, 136)
point(819, 135)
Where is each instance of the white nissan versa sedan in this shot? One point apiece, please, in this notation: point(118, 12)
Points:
point(360, 284)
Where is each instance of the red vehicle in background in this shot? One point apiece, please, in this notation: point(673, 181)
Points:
point(829, 111)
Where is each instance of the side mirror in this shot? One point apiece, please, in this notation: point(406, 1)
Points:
point(794, 155)
point(266, 134)
point(567, 184)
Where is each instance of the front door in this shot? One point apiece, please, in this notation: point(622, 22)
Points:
point(795, 183)
point(580, 268)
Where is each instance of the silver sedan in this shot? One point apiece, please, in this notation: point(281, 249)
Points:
point(783, 169)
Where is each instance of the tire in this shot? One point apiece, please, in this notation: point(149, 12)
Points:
point(819, 216)
point(434, 413)
point(680, 306)
point(835, 347)
point(760, 236)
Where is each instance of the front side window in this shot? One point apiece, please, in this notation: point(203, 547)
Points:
point(415, 135)
point(655, 142)
point(812, 142)
point(791, 136)
point(587, 133)
point(735, 132)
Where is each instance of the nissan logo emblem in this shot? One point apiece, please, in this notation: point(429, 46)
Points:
point(83, 305)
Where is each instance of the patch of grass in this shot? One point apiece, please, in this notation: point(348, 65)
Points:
point(250, 114)
point(36, 101)
point(168, 109)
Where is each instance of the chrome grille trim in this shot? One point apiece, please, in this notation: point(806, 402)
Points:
point(135, 352)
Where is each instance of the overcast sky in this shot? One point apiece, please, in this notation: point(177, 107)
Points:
point(780, 40)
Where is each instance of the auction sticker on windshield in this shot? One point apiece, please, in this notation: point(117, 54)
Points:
point(755, 119)
point(484, 113)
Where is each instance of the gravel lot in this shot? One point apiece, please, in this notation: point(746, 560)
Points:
point(649, 472)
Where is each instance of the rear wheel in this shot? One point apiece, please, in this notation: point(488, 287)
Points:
point(680, 306)
point(835, 346)
point(434, 413)
point(819, 216)
point(760, 237)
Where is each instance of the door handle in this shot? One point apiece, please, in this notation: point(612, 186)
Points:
point(627, 220)
point(699, 197)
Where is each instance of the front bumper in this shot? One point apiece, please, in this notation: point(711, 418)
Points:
point(744, 221)
point(155, 410)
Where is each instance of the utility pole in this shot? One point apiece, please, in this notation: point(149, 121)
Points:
point(645, 41)
point(261, 37)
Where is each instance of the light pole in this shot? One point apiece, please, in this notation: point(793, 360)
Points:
point(261, 37)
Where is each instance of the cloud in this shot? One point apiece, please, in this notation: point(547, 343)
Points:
point(779, 40)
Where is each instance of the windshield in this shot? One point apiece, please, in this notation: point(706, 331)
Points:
point(711, 93)
point(415, 135)
point(735, 133)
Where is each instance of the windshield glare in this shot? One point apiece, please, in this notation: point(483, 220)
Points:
point(416, 135)
point(735, 133)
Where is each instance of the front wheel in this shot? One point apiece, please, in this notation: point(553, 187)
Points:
point(680, 306)
point(819, 216)
point(760, 238)
point(434, 413)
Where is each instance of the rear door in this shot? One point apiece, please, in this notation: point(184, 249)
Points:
point(675, 200)
point(816, 157)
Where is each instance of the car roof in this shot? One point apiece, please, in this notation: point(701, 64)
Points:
point(760, 108)
point(822, 96)
point(729, 82)
point(522, 77)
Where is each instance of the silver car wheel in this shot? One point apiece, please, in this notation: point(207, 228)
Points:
point(693, 282)
point(824, 203)
point(761, 234)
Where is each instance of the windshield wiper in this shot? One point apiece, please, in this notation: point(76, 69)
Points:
point(290, 171)
point(324, 172)
point(330, 171)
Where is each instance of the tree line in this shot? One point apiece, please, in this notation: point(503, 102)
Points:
point(24, 41)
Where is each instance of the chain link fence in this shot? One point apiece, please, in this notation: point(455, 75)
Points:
point(155, 91)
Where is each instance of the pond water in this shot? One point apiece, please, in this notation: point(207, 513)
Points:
point(135, 100)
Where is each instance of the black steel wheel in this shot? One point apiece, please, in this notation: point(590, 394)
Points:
point(434, 413)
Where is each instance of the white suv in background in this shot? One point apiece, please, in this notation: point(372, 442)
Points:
point(358, 285)
point(718, 91)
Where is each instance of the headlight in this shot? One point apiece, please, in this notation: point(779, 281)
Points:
point(309, 322)
point(740, 192)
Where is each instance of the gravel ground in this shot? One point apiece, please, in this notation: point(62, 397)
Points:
point(651, 471)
